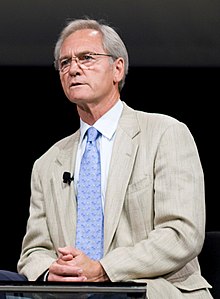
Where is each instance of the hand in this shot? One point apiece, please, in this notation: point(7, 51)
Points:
point(65, 269)
point(74, 265)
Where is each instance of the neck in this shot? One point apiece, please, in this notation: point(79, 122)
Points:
point(91, 112)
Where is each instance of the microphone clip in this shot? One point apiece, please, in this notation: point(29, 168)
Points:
point(67, 179)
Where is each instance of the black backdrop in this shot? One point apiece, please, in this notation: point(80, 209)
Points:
point(35, 114)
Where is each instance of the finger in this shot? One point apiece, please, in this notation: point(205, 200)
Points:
point(55, 277)
point(67, 257)
point(65, 250)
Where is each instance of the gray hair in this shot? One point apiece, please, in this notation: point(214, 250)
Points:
point(112, 43)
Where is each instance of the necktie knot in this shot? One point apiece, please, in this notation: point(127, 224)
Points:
point(92, 134)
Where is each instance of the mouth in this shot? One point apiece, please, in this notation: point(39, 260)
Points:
point(75, 84)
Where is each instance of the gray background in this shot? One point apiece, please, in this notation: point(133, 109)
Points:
point(156, 32)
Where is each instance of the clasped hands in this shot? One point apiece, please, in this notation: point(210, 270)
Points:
point(73, 265)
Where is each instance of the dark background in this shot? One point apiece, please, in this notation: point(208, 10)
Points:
point(174, 54)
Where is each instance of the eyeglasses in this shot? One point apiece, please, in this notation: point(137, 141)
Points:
point(84, 60)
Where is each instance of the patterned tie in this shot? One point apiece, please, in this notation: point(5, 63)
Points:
point(89, 229)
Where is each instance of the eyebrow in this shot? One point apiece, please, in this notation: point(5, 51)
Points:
point(78, 54)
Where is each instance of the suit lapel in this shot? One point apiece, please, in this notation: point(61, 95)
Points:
point(64, 194)
point(123, 156)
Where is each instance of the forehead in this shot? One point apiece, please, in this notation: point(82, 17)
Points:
point(81, 41)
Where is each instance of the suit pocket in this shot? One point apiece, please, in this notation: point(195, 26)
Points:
point(139, 185)
point(139, 207)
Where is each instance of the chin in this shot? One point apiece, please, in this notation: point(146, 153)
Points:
point(77, 100)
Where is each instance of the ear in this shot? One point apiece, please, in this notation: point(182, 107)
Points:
point(118, 70)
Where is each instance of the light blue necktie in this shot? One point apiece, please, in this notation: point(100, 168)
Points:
point(89, 229)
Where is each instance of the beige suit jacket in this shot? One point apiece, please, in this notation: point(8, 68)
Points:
point(154, 206)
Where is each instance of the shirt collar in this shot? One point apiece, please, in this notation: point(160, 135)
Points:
point(106, 124)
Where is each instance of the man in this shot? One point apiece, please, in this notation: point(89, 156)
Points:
point(152, 182)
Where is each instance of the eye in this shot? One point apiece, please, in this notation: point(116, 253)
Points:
point(65, 62)
point(86, 58)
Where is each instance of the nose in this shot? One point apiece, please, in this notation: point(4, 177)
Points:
point(74, 65)
point(75, 60)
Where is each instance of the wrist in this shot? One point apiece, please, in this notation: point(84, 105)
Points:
point(102, 275)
